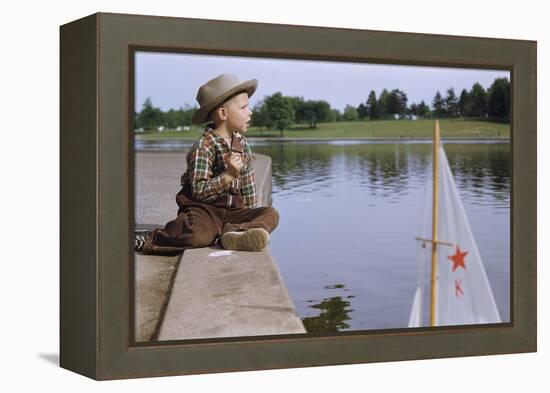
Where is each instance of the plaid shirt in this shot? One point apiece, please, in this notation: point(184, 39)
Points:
point(206, 162)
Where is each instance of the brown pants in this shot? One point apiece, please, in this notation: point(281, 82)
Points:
point(199, 225)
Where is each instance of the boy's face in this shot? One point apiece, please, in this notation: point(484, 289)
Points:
point(238, 113)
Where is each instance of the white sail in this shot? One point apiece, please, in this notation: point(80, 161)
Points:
point(463, 292)
point(421, 303)
point(415, 319)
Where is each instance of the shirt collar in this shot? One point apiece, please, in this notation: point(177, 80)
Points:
point(237, 144)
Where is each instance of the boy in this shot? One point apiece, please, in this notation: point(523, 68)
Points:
point(218, 195)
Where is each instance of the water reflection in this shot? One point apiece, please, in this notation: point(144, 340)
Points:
point(334, 312)
point(478, 168)
point(387, 170)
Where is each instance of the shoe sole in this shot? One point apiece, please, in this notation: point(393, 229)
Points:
point(254, 239)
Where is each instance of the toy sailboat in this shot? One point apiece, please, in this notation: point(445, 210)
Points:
point(460, 293)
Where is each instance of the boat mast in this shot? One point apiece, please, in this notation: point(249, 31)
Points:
point(434, 223)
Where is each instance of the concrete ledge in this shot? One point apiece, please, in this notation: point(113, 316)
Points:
point(154, 278)
point(220, 293)
point(165, 286)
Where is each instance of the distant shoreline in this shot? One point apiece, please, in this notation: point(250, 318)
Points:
point(391, 130)
point(174, 145)
point(393, 140)
point(338, 138)
point(286, 139)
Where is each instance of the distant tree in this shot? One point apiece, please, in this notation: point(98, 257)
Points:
point(260, 115)
point(439, 105)
point(478, 100)
point(350, 113)
point(305, 112)
point(403, 100)
point(336, 115)
point(372, 106)
point(310, 112)
point(464, 105)
point(296, 101)
point(150, 118)
point(423, 109)
point(383, 103)
point(393, 105)
point(498, 106)
point(171, 119)
point(179, 118)
point(302, 112)
point(362, 111)
point(451, 104)
point(280, 111)
point(396, 103)
point(322, 112)
point(188, 112)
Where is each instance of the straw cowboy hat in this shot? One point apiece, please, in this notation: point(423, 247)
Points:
point(217, 90)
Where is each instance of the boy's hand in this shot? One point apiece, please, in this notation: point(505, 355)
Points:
point(235, 164)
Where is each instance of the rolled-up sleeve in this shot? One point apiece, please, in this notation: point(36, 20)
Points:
point(204, 186)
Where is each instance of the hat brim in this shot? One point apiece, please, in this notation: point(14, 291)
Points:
point(201, 115)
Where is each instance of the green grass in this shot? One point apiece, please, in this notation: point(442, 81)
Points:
point(394, 129)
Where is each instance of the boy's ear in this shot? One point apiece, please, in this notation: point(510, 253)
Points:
point(220, 112)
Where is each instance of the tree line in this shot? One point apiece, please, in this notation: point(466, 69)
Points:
point(153, 118)
point(279, 112)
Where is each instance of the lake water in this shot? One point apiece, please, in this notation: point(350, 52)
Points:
point(349, 215)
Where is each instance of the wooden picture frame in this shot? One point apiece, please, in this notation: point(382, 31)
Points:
point(97, 195)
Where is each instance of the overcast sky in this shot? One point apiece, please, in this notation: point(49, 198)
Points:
point(172, 80)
